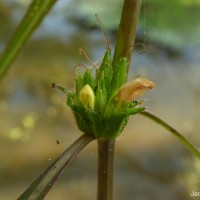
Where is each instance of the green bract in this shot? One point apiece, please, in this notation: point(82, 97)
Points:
point(94, 103)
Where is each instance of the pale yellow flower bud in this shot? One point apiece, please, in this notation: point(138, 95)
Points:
point(134, 89)
point(86, 97)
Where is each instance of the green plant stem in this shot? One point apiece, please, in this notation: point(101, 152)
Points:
point(40, 187)
point(127, 30)
point(185, 141)
point(32, 19)
point(125, 39)
point(105, 169)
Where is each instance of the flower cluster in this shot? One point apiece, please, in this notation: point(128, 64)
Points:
point(103, 104)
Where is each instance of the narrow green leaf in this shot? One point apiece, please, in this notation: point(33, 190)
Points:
point(133, 111)
point(62, 89)
point(101, 96)
point(105, 70)
point(114, 126)
point(185, 141)
point(119, 77)
point(98, 122)
point(120, 71)
point(79, 81)
point(40, 187)
point(32, 19)
point(88, 79)
point(82, 121)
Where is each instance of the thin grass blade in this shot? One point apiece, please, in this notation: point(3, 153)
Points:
point(178, 135)
point(32, 19)
point(40, 187)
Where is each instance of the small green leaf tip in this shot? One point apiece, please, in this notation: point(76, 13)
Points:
point(102, 103)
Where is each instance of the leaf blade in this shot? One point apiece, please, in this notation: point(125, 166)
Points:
point(177, 134)
point(32, 19)
point(40, 187)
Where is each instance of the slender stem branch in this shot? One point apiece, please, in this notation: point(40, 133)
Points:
point(105, 169)
point(125, 39)
point(185, 141)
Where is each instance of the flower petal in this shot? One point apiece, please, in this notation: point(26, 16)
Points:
point(134, 89)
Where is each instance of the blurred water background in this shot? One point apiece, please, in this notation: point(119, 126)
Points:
point(150, 162)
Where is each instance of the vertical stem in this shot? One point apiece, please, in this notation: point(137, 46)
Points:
point(105, 168)
point(127, 30)
point(125, 39)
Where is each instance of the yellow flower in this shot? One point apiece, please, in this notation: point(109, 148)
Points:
point(86, 97)
point(134, 89)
